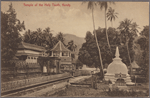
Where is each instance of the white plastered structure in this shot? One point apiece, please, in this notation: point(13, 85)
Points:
point(117, 67)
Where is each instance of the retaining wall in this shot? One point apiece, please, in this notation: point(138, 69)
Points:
point(13, 85)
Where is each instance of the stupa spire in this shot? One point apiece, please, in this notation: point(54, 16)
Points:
point(117, 53)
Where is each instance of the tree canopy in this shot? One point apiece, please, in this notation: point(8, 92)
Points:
point(10, 36)
point(143, 55)
point(88, 54)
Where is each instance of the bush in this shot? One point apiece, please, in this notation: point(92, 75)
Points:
point(139, 79)
point(124, 93)
point(85, 72)
point(82, 73)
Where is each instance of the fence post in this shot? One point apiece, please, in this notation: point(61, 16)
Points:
point(14, 71)
point(27, 70)
point(92, 79)
point(48, 67)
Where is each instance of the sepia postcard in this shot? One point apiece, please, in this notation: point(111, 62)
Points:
point(74, 49)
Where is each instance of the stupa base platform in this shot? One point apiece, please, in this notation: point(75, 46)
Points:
point(130, 84)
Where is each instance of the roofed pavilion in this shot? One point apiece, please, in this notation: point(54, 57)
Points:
point(59, 50)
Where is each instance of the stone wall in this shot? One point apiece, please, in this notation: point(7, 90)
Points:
point(12, 85)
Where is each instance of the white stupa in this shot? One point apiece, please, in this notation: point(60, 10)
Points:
point(117, 70)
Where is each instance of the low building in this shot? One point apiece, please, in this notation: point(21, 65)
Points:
point(30, 52)
point(135, 68)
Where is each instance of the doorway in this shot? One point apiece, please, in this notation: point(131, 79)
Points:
point(120, 82)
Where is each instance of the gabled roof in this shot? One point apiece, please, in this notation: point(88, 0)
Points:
point(24, 45)
point(59, 47)
point(134, 65)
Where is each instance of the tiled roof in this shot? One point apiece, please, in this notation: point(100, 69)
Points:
point(24, 45)
point(26, 54)
point(59, 47)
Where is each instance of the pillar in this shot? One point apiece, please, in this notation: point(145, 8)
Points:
point(48, 67)
point(52, 54)
point(60, 54)
point(68, 54)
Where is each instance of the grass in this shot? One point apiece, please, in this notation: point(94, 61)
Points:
point(101, 91)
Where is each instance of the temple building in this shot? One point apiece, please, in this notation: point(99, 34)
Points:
point(30, 52)
point(60, 51)
point(117, 72)
point(59, 60)
point(135, 68)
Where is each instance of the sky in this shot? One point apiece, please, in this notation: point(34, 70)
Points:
point(75, 19)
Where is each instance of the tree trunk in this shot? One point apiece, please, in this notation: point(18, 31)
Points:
point(129, 56)
point(106, 32)
point(101, 68)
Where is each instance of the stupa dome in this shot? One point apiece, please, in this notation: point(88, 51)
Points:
point(117, 66)
point(118, 70)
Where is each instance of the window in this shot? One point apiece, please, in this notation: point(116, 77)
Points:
point(56, 54)
point(31, 57)
point(64, 53)
point(28, 57)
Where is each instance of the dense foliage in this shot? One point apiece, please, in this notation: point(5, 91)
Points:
point(143, 54)
point(10, 36)
point(46, 39)
point(121, 93)
point(88, 54)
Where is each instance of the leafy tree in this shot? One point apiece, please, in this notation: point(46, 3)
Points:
point(145, 32)
point(78, 64)
point(71, 46)
point(143, 41)
point(88, 52)
point(91, 5)
point(10, 36)
point(84, 56)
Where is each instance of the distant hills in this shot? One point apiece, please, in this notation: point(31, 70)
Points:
point(77, 40)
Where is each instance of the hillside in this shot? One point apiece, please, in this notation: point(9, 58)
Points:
point(77, 40)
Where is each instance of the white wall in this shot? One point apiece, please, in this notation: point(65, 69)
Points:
point(31, 59)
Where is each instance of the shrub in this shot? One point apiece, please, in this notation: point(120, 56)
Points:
point(138, 79)
point(85, 72)
point(124, 93)
point(82, 73)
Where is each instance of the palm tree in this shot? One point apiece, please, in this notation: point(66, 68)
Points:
point(38, 37)
point(91, 5)
point(60, 37)
point(28, 36)
point(126, 34)
point(104, 5)
point(134, 28)
point(111, 15)
point(47, 35)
